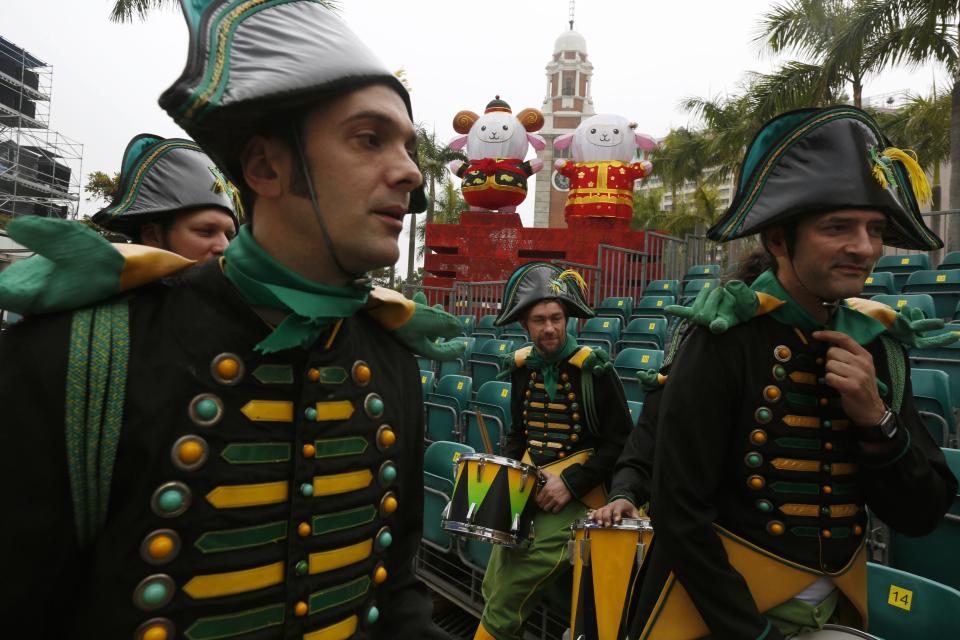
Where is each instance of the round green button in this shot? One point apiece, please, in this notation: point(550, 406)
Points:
point(827, 424)
point(310, 414)
point(763, 415)
point(765, 506)
point(375, 406)
point(754, 460)
point(302, 568)
point(574, 407)
point(306, 489)
point(826, 467)
point(389, 473)
point(154, 593)
point(825, 511)
point(207, 409)
point(170, 500)
point(386, 539)
point(373, 615)
point(779, 372)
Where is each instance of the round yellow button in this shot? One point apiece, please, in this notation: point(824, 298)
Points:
point(362, 373)
point(190, 452)
point(309, 451)
point(228, 368)
point(300, 609)
point(390, 504)
point(380, 575)
point(313, 375)
point(303, 529)
point(387, 437)
point(160, 547)
point(155, 632)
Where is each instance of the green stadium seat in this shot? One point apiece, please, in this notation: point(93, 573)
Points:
point(934, 556)
point(699, 271)
point(515, 333)
point(636, 408)
point(653, 307)
point(616, 307)
point(438, 458)
point(573, 326)
point(484, 364)
point(444, 406)
point(662, 288)
point(951, 261)
point(943, 286)
point(629, 362)
point(644, 333)
point(425, 364)
point(878, 283)
point(931, 395)
point(493, 403)
point(438, 480)
point(426, 382)
point(920, 301)
point(475, 554)
point(602, 333)
point(467, 321)
point(902, 605)
point(692, 288)
point(902, 266)
point(945, 358)
point(459, 366)
point(486, 327)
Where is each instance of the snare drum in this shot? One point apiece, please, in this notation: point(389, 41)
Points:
point(835, 632)
point(606, 565)
point(492, 499)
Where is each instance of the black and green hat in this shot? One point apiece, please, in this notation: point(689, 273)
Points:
point(160, 178)
point(820, 160)
point(254, 62)
point(539, 281)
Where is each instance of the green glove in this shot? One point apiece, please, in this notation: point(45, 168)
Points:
point(421, 332)
point(721, 308)
point(909, 324)
point(597, 362)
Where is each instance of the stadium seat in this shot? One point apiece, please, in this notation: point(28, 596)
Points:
point(459, 366)
point(945, 358)
point(467, 321)
point(693, 287)
point(629, 362)
point(902, 266)
point(444, 406)
point(515, 333)
point(877, 283)
point(920, 301)
point(699, 271)
point(438, 480)
point(644, 333)
point(602, 333)
point(943, 286)
point(573, 326)
point(934, 556)
point(493, 404)
point(484, 364)
point(486, 328)
point(951, 261)
point(616, 308)
point(662, 288)
point(426, 382)
point(475, 554)
point(902, 605)
point(636, 408)
point(931, 395)
point(652, 307)
point(425, 364)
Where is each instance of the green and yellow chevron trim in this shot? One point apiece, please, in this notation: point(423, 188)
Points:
point(243, 538)
point(133, 187)
point(236, 624)
point(339, 595)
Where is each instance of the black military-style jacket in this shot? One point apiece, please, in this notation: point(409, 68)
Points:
point(750, 438)
point(255, 496)
point(554, 429)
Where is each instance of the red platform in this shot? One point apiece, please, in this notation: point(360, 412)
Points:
point(488, 247)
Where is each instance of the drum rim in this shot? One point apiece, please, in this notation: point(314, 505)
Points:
point(501, 460)
point(627, 524)
point(483, 534)
point(851, 630)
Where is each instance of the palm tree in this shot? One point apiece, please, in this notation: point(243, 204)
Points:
point(125, 10)
point(450, 204)
point(915, 32)
point(810, 29)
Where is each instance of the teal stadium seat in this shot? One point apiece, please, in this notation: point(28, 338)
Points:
point(573, 326)
point(943, 286)
point(662, 288)
point(484, 363)
point(515, 333)
point(493, 403)
point(426, 382)
point(459, 366)
point(692, 288)
point(438, 480)
point(878, 283)
point(444, 406)
point(629, 362)
point(951, 261)
point(475, 554)
point(699, 271)
point(946, 359)
point(636, 408)
point(904, 606)
point(653, 307)
point(902, 266)
point(644, 333)
point(600, 333)
point(920, 301)
point(467, 321)
point(616, 307)
point(485, 327)
point(935, 556)
point(931, 395)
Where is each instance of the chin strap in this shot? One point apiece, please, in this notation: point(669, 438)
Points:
point(830, 305)
point(357, 280)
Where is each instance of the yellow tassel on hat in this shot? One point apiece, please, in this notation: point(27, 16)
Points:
point(576, 277)
point(918, 178)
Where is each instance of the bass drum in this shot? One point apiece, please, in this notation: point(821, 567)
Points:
point(834, 632)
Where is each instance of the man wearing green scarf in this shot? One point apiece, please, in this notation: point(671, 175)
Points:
point(570, 419)
point(234, 451)
point(775, 435)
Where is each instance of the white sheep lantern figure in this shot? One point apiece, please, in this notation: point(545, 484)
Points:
point(495, 174)
point(601, 174)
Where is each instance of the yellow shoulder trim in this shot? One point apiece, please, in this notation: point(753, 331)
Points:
point(580, 356)
point(767, 303)
point(143, 264)
point(876, 310)
point(390, 308)
point(520, 356)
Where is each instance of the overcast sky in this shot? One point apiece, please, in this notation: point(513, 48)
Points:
point(646, 56)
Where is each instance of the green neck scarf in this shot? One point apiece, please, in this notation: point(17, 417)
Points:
point(264, 282)
point(550, 365)
point(858, 326)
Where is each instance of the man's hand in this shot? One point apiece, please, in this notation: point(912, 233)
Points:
point(554, 495)
point(850, 370)
point(614, 512)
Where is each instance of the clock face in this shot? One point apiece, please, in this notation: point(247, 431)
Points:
point(560, 182)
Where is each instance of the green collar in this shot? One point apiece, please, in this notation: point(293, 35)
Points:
point(264, 282)
point(550, 365)
point(858, 326)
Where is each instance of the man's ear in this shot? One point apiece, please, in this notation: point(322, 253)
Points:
point(265, 163)
point(775, 241)
point(151, 234)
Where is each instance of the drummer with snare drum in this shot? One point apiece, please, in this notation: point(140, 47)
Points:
point(570, 419)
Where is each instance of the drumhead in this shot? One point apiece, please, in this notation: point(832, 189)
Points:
point(627, 524)
point(500, 460)
point(834, 632)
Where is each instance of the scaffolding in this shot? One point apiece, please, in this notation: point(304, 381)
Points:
point(40, 169)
